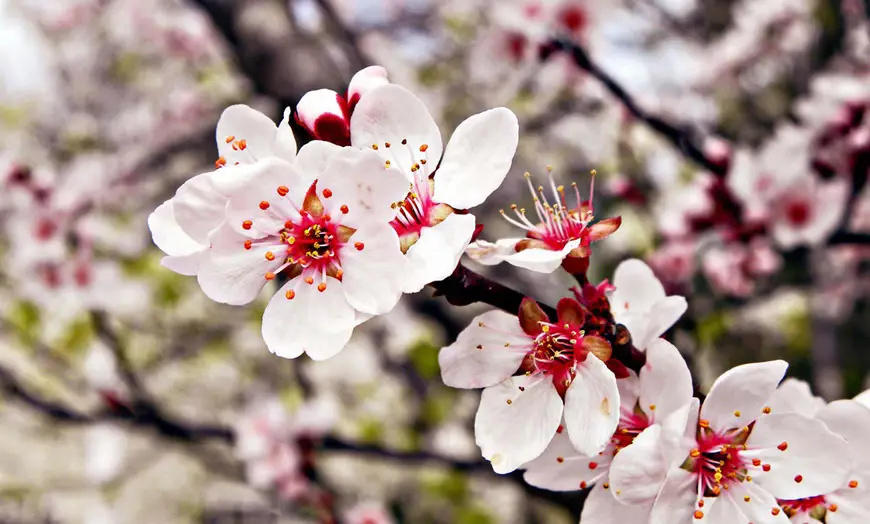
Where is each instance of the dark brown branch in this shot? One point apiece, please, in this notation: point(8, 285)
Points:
point(681, 137)
point(466, 287)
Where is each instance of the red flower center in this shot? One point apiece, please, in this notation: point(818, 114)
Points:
point(312, 242)
point(718, 461)
point(631, 424)
point(798, 212)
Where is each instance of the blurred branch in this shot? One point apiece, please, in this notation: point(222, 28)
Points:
point(108, 336)
point(847, 237)
point(348, 37)
point(681, 137)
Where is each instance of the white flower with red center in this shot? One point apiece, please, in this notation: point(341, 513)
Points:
point(180, 227)
point(807, 211)
point(639, 302)
point(322, 222)
point(326, 114)
point(534, 370)
point(434, 233)
point(850, 502)
point(657, 396)
point(561, 235)
point(736, 460)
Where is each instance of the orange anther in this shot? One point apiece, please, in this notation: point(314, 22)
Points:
point(327, 192)
point(309, 280)
point(698, 514)
point(229, 139)
point(560, 459)
point(853, 484)
point(243, 144)
point(359, 246)
point(775, 511)
point(766, 467)
point(783, 446)
point(270, 256)
point(288, 224)
point(321, 287)
point(832, 508)
point(290, 294)
point(264, 205)
point(270, 276)
point(593, 465)
point(798, 478)
point(283, 190)
point(756, 462)
point(247, 224)
point(583, 484)
point(423, 148)
point(248, 244)
point(344, 209)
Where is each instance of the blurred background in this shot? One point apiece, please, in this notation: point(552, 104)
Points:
point(731, 136)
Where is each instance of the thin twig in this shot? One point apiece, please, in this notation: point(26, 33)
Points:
point(680, 136)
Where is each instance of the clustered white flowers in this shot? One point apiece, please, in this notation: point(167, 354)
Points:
point(584, 396)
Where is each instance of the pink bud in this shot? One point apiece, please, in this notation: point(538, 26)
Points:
point(323, 113)
point(364, 81)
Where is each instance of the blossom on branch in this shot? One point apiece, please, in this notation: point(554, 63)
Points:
point(657, 395)
point(561, 235)
point(444, 181)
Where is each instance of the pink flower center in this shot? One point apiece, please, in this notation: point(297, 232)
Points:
point(807, 505)
point(631, 424)
point(718, 462)
point(555, 352)
point(312, 242)
point(557, 223)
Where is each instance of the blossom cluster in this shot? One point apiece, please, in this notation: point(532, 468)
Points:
point(584, 396)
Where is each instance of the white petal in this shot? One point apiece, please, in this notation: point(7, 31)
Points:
point(489, 253)
point(665, 380)
point(629, 391)
point(391, 113)
point(863, 398)
point(850, 420)
point(372, 276)
point(168, 235)
point(637, 287)
point(314, 157)
point(317, 323)
point(284, 146)
point(734, 506)
point(487, 352)
point(437, 252)
point(541, 260)
point(591, 406)
point(245, 203)
point(477, 158)
point(601, 506)
point(663, 315)
point(676, 499)
point(231, 274)
point(243, 123)
point(511, 434)
point(184, 265)
point(199, 206)
point(359, 180)
point(795, 396)
point(794, 445)
point(639, 470)
point(738, 396)
point(853, 504)
point(364, 81)
point(562, 468)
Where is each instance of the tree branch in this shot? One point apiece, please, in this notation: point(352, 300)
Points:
point(681, 137)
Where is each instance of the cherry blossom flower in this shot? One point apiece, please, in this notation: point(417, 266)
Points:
point(661, 392)
point(326, 114)
point(807, 211)
point(322, 222)
point(561, 235)
point(733, 268)
point(849, 503)
point(737, 457)
point(443, 180)
point(532, 371)
point(368, 513)
point(180, 226)
point(267, 442)
point(639, 302)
